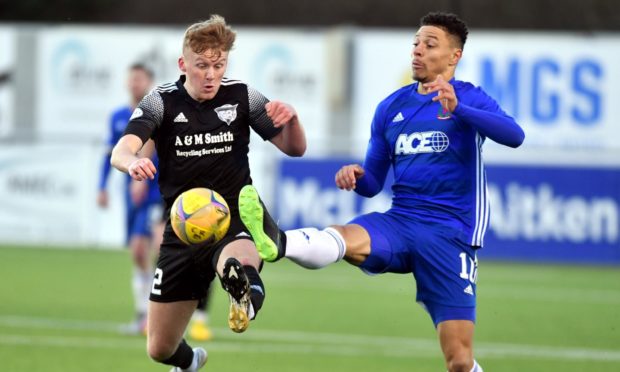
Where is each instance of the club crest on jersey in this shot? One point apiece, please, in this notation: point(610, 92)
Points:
point(443, 114)
point(227, 113)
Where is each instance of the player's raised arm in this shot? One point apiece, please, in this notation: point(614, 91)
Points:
point(484, 115)
point(491, 121)
point(292, 139)
point(124, 158)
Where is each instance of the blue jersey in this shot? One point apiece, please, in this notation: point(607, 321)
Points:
point(437, 156)
point(118, 123)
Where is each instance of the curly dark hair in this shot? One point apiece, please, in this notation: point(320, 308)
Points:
point(449, 22)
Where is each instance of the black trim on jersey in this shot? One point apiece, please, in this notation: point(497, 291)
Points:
point(141, 129)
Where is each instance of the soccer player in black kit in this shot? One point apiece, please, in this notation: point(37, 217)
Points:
point(201, 129)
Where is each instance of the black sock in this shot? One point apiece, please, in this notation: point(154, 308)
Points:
point(202, 304)
point(183, 357)
point(257, 289)
point(282, 247)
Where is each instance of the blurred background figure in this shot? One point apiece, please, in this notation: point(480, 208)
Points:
point(142, 200)
point(144, 213)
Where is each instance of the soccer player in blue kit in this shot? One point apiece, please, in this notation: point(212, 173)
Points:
point(140, 198)
point(431, 132)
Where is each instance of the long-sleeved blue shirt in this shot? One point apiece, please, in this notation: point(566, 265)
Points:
point(117, 124)
point(437, 156)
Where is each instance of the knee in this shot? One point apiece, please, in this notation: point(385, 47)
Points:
point(160, 351)
point(357, 242)
point(460, 363)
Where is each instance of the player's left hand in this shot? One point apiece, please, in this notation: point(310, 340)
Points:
point(280, 113)
point(346, 178)
point(446, 95)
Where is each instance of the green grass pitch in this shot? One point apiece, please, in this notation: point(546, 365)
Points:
point(60, 310)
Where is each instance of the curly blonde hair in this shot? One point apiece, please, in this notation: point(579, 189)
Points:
point(213, 34)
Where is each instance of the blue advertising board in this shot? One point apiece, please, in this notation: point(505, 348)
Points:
point(544, 213)
point(538, 213)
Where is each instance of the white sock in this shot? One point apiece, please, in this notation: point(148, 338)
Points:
point(141, 285)
point(314, 249)
point(476, 367)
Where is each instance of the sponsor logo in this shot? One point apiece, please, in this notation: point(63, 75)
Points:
point(306, 236)
point(203, 139)
point(180, 118)
point(421, 142)
point(227, 113)
point(539, 213)
point(469, 290)
point(398, 117)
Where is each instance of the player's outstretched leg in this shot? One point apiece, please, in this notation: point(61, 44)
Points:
point(270, 241)
point(200, 359)
point(235, 281)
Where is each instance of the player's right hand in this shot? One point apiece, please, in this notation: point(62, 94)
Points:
point(142, 169)
point(347, 176)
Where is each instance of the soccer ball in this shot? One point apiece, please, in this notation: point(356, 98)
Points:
point(200, 215)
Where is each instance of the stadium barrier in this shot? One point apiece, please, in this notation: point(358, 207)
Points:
point(538, 213)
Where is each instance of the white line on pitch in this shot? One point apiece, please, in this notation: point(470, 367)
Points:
point(277, 341)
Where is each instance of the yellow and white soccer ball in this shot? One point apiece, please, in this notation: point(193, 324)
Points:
point(200, 216)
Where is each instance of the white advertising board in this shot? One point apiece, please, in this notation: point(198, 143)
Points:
point(83, 75)
point(83, 72)
point(48, 197)
point(7, 78)
point(289, 66)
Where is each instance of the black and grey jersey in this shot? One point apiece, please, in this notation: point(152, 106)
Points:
point(202, 144)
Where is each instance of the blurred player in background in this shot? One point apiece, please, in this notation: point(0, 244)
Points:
point(201, 128)
point(431, 132)
point(144, 211)
point(140, 199)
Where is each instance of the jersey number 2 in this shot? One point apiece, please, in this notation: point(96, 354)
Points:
point(157, 282)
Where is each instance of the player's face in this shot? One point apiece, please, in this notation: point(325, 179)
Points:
point(204, 72)
point(433, 53)
point(139, 82)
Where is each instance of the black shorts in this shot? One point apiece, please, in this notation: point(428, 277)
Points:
point(185, 272)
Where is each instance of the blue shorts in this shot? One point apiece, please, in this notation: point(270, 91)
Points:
point(445, 268)
point(141, 218)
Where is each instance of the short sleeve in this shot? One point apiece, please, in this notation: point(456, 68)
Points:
point(259, 121)
point(147, 117)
